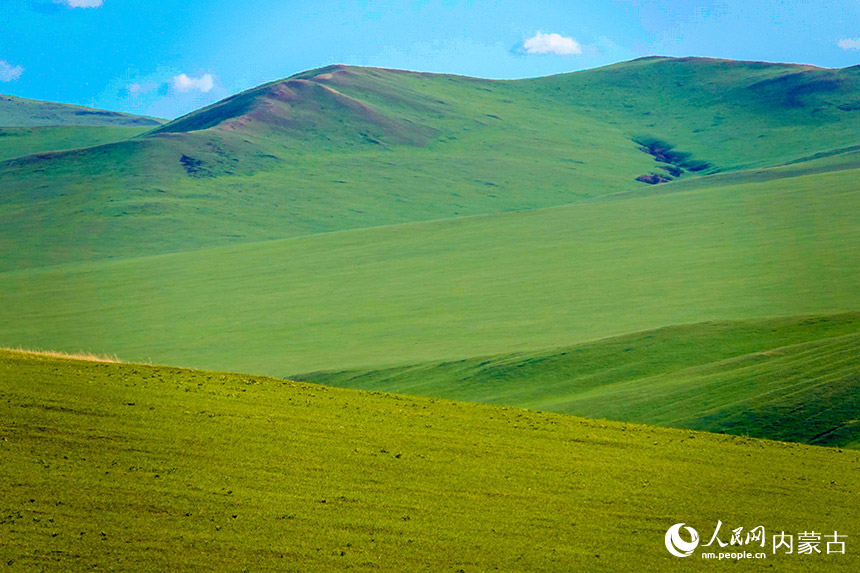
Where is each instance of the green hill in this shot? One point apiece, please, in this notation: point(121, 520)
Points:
point(21, 141)
point(428, 219)
point(342, 148)
point(792, 379)
point(29, 127)
point(459, 288)
point(120, 465)
point(20, 112)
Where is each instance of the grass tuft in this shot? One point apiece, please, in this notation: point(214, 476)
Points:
point(86, 356)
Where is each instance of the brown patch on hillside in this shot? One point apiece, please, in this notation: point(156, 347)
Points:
point(654, 178)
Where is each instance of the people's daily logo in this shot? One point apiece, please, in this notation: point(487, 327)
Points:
point(752, 543)
point(677, 546)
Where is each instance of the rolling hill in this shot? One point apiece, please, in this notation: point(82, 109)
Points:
point(416, 232)
point(342, 148)
point(119, 465)
point(21, 112)
point(792, 379)
point(459, 288)
point(29, 127)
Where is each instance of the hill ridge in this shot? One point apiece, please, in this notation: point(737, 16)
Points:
point(23, 112)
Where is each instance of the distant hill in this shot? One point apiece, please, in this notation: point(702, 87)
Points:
point(29, 127)
point(21, 112)
point(342, 148)
point(21, 141)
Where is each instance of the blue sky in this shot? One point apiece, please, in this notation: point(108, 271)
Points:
point(170, 57)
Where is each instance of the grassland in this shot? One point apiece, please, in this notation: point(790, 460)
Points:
point(790, 379)
point(130, 466)
point(459, 288)
point(458, 238)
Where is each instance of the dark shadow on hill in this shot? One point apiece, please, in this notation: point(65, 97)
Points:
point(675, 163)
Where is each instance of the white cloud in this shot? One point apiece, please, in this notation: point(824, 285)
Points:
point(8, 72)
point(81, 3)
point(557, 44)
point(849, 44)
point(184, 83)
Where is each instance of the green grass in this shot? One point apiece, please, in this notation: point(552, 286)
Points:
point(459, 288)
point(792, 379)
point(126, 466)
point(343, 148)
point(19, 141)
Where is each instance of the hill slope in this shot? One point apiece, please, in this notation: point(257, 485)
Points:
point(114, 465)
point(790, 379)
point(21, 112)
point(21, 141)
point(459, 288)
point(342, 148)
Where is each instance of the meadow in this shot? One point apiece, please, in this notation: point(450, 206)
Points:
point(459, 288)
point(131, 466)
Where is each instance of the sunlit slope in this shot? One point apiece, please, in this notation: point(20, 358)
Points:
point(21, 112)
point(460, 288)
point(341, 148)
point(791, 379)
point(111, 465)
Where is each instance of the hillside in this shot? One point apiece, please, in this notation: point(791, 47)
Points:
point(418, 233)
point(342, 148)
point(29, 127)
point(21, 112)
point(21, 141)
point(791, 379)
point(115, 465)
point(459, 288)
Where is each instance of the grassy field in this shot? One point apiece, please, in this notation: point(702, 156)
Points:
point(791, 379)
point(459, 288)
point(129, 466)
